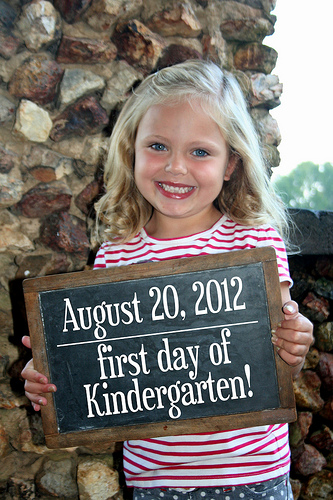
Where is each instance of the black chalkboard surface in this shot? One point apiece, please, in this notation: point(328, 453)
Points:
point(160, 348)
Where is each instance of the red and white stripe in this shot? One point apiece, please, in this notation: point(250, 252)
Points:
point(228, 458)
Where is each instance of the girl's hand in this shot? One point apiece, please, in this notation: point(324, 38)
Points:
point(293, 336)
point(36, 384)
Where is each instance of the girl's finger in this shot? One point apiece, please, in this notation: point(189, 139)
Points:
point(290, 359)
point(26, 341)
point(36, 400)
point(36, 388)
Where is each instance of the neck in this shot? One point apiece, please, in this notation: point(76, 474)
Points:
point(171, 228)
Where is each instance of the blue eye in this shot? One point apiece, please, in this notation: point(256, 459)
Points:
point(200, 152)
point(158, 146)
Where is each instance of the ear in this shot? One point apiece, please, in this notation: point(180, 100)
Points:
point(231, 166)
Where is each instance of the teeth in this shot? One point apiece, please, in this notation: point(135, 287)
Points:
point(174, 189)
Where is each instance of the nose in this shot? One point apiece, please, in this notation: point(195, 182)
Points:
point(176, 165)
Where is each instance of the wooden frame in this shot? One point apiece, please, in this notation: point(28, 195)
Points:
point(42, 304)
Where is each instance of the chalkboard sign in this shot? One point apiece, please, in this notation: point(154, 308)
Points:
point(158, 349)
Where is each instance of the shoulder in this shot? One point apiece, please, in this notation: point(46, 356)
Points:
point(110, 253)
point(261, 235)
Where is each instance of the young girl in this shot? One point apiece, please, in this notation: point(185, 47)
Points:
point(185, 177)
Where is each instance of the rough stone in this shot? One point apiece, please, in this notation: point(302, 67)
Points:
point(255, 57)
point(8, 270)
point(138, 45)
point(117, 87)
point(319, 486)
point(65, 233)
point(45, 199)
point(318, 308)
point(323, 334)
point(324, 267)
point(86, 198)
point(300, 429)
point(19, 464)
point(296, 486)
point(4, 360)
point(87, 152)
point(265, 90)
point(20, 487)
point(11, 237)
point(267, 127)
point(40, 25)
point(5, 305)
point(4, 442)
point(245, 23)
point(7, 110)
point(96, 480)
point(8, 400)
point(178, 19)
point(41, 263)
point(303, 283)
point(7, 68)
point(327, 411)
point(312, 359)
point(322, 439)
point(86, 116)
point(175, 54)
point(9, 43)
point(37, 80)
point(310, 461)
point(103, 15)
point(85, 50)
point(307, 391)
point(11, 186)
point(33, 122)
point(71, 10)
point(46, 165)
point(247, 30)
point(7, 15)
point(7, 160)
point(324, 287)
point(77, 83)
point(325, 371)
point(57, 476)
point(216, 49)
point(268, 5)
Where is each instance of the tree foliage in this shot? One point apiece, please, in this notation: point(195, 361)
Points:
point(307, 186)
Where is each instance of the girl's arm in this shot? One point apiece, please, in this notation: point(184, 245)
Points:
point(36, 384)
point(294, 335)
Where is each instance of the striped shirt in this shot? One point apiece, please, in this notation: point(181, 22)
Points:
point(226, 458)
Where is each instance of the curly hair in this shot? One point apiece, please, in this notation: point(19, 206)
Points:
point(247, 198)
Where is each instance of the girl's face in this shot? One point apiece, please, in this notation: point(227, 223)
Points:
point(181, 162)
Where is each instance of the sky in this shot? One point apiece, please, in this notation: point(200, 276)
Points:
point(303, 40)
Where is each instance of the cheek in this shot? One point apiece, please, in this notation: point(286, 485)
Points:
point(146, 164)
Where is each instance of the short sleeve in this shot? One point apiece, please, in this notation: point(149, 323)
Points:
point(270, 237)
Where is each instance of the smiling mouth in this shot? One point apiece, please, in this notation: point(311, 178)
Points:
point(176, 189)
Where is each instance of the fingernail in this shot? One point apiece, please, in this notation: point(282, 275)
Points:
point(274, 338)
point(273, 331)
point(289, 308)
point(279, 325)
point(42, 380)
point(40, 402)
point(51, 389)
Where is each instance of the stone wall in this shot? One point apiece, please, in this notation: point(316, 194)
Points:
point(311, 436)
point(66, 67)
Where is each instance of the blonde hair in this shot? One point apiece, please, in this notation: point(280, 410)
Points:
point(247, 198)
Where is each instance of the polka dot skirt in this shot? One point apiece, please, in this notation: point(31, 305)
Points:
point(275, 489)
